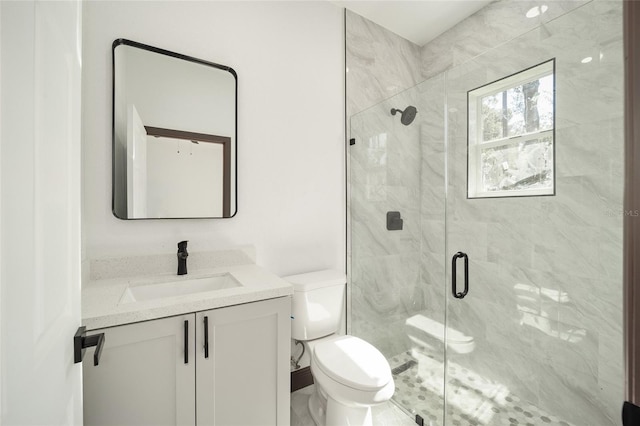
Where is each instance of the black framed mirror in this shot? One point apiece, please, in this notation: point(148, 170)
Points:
point(174, 139)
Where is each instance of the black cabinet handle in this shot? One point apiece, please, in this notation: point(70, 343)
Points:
point(81, 341)
point(206, 337)
point(96, 340)
point(454, 262)
point(186, 341)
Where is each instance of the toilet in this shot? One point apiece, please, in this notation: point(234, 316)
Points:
point(351, 375)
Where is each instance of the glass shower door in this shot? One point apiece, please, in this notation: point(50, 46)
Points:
point(397, 269)
point(538, 337)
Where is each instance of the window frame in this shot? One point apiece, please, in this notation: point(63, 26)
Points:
point(474, 131)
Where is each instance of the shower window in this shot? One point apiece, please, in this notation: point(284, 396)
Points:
point(511, 135)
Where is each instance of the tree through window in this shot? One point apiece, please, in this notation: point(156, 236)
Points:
point(511, 135)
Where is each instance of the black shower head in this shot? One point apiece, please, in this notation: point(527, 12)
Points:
point(408, 114)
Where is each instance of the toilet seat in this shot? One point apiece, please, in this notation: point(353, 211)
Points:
point(353, 362)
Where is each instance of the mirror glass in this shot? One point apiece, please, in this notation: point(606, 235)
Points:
point(174, 135)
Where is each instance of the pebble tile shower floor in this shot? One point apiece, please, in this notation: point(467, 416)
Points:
point(472, 399)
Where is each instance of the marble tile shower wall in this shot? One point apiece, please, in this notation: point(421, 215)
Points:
point(380, 64)
point(433, 254)
point(491, 26)
point(547, 285)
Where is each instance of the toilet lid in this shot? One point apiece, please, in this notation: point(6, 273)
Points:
point(353, 362)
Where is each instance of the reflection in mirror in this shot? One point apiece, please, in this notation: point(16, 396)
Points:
point(174, 135)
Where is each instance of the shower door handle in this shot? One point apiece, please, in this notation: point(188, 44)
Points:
point(454, 264)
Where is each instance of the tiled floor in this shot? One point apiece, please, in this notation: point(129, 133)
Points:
point(472, 399)
point(383, 415)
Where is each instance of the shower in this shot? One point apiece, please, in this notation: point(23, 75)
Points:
point(541, 325)
point(408, 115)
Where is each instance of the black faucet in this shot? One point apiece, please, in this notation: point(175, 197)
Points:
point(182, 257)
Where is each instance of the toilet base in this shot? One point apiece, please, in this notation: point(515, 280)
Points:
point(339, 414)
point(329, 412)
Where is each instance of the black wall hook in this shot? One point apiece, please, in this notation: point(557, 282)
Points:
point(81, 341)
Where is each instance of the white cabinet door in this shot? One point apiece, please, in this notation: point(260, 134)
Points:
point(144, 376)
point(244, 380)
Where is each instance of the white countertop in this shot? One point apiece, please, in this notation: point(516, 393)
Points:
point(101, 305)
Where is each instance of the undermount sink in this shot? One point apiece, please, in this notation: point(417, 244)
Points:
point(146, 292)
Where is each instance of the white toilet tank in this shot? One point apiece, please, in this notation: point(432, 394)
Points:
point(318, 303)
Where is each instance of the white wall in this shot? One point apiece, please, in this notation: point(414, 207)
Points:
point(291, 181)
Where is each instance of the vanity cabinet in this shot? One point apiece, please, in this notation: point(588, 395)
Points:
point(234, 369)
point(142, 377)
